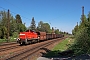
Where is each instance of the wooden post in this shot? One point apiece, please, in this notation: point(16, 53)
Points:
point(82, 13)
point(8, 23)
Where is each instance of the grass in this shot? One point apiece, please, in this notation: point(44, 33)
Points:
point(5, 40)
point(62, 46)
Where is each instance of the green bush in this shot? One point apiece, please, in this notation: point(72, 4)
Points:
point(82, 42)
point(15, 34)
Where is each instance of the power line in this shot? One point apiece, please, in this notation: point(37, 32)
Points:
point(3, 8)
point(14, 13)
point(12, 4)
point(16, 7)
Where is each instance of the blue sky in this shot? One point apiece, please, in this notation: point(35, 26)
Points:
point(62, 14)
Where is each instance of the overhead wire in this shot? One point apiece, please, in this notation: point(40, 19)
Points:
point(19, 9)
point(3, 8)
point(12, 12)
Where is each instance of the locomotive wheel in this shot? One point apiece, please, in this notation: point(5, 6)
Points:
point(20, 43)
point(23, 43)
point(29, 42)
point(37, 40)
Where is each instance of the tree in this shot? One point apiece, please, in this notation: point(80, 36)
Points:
point(3, 29)
point(3, 23)
point(88, 17)
point(53, 30)
point(46, 27)
point(75, 30)
point(18, 19)
point(3, 18)
point(40, 26)
point(15, 27)
point(19, 26)
point(82, 37)
point(57, 31)
point(33, 25)
point(0, 33)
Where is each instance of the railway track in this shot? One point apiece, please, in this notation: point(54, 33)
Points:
point(9, 48)
point(22, 55)
point(5, 44)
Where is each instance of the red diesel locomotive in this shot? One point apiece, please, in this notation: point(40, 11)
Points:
point(30, 36)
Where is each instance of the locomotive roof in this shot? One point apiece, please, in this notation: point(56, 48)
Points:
point(30, 30)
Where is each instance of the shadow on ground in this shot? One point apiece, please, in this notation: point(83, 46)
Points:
point(66, 55)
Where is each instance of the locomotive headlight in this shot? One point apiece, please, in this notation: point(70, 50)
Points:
point(38, 37)
point(18, 39)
